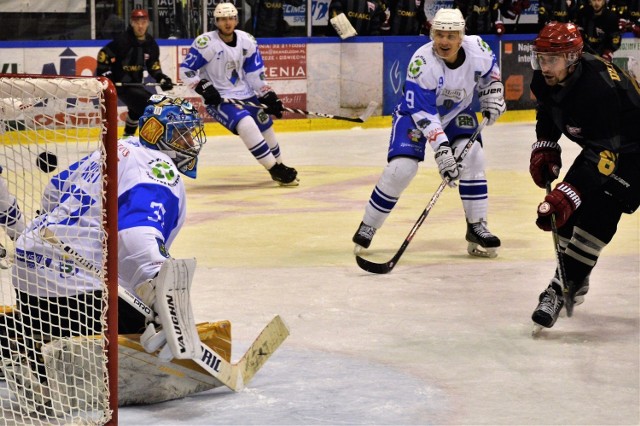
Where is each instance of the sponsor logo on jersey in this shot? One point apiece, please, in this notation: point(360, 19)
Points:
point(607, 163)
point(414, 135)
point(162, 171)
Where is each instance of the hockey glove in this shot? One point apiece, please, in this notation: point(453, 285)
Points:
point(209, 93)
point(607, 56)
point(492, 102)
point(562, 202)
point(498, 26)
point(273, 103)
point(165, 82)
point(545, 162)
point(447, 165)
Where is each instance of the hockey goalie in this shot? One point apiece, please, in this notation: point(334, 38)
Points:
point(49, 338)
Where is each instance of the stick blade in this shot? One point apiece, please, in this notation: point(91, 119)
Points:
point(375, 268)
point(262, 348)
point(369, 111)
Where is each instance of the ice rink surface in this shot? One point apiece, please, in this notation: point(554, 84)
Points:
point(443, 339)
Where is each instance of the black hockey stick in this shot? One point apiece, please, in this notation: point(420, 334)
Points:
point(361, 119)
point(385, 268)
point(562, 275)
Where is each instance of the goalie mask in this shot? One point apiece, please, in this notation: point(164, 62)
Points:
point(556, 41)
point(173, 126)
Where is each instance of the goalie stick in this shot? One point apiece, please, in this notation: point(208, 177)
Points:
point(386, 267)
point(234, 376)
point(361, 119)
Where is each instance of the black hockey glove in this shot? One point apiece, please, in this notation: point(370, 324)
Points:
point(274, 105)
point(165, 82)
point(209, 93)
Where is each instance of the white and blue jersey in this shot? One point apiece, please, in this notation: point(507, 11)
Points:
point(235, 69)
point(437, 102)
point(151, 211)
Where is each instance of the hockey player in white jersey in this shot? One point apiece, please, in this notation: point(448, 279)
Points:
point(442, 78)
point(226, 63)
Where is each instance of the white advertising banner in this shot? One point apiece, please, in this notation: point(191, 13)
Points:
point(40, 6)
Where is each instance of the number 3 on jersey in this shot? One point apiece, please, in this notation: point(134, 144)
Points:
point(158, 212)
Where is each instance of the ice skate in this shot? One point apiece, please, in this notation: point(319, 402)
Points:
point(549, 307)
point(285, 176)
point(482, 242)
point(363, 237)
point(4, 263)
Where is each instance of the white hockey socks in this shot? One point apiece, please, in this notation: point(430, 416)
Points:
point(255, 143)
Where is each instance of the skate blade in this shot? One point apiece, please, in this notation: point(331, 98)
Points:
point(295, 182)
point(537, 328)
point(477, 250)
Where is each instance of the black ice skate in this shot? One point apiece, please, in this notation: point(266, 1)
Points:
point(482, 242)
point(578, 297)
point(285, 176)
point(549, 307)
point(363, 237)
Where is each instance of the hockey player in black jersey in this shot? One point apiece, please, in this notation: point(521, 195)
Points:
point(124, 60)
point(596, 105)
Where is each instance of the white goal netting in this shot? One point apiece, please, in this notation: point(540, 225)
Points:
point(54, 233)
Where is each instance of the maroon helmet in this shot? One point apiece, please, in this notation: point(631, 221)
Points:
point(558, 38)
point(139, 14)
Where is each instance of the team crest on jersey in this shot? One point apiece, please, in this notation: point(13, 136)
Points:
point(162, 248)
point(415, 67)
point(202, 41)
point(162, 171)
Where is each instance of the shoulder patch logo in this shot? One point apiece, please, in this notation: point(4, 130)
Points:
point(202, 41)
point(163, 172)
point(415, 67)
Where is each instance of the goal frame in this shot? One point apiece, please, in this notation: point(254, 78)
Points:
point(109, 115)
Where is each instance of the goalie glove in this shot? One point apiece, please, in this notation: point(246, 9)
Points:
point(562, 202)
point(447, 164)
point(342, 26)
point(492, 104)
point(545, 162)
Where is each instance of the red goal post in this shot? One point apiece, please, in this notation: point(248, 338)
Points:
point(48, 123)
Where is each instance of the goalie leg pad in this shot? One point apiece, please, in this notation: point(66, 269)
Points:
point(173, 307)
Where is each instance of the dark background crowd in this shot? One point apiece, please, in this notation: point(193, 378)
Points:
point(601, 23)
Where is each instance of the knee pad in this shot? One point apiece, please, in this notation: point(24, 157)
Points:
point(398, 174)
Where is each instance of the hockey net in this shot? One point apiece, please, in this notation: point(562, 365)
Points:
point(58, 277)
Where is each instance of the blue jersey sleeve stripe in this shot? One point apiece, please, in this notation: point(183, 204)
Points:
point(253, 63)
point(149, 205)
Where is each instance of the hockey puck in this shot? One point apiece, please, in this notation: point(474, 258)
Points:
point(47, 162)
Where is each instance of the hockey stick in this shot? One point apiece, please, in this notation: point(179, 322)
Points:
point(234, 376)
point(361, 119)
point(385, 268)
point(562, 275)
point(119, 84)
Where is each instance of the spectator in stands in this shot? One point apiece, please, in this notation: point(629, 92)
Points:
point(403, 18)
point(365, 16)
point(481, 16)
point(558, 11)
point(426, 11)
point(267, 17)
point(599, 29)
point(124, 60)
point(628, 14)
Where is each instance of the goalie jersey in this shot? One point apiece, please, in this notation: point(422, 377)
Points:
point(151, 211)
point(435, 93)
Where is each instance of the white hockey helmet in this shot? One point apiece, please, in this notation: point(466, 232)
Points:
point(225, 10)
point(448, 20)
